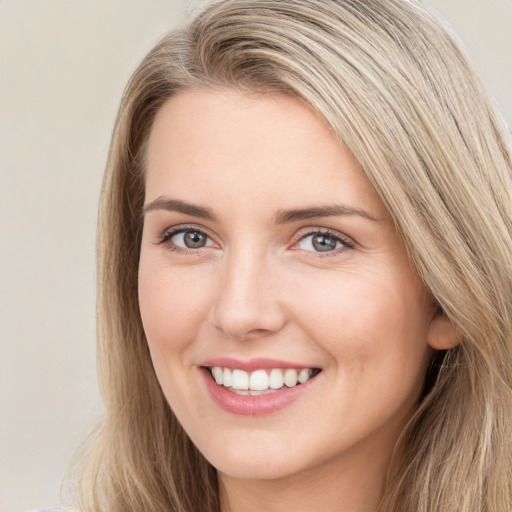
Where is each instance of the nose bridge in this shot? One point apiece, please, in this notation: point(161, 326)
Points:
point(247, 302)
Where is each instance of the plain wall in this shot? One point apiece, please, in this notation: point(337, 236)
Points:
point(63, 66)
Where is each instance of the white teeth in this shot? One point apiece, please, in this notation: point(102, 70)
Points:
point(276, 380)
point(304, 375)
point(240, 379)
point(290, 377)
point(227, 379)
point(217, 374)
point(260, 381)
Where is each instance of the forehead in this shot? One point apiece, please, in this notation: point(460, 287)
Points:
point(250, 147)
point(229, 118)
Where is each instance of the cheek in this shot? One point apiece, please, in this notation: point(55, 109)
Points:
point(172, 307)
point(376, 335)
point(368, 323)
point(172, 303)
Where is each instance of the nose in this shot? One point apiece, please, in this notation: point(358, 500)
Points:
point(247, 302)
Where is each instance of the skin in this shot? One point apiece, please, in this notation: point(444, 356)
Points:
point(258, 288)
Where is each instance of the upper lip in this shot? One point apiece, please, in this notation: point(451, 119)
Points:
point(260, 363)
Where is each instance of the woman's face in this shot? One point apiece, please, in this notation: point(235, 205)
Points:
point(267, 256)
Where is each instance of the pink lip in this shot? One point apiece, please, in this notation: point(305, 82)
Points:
point(261, 363)
point(247, 405)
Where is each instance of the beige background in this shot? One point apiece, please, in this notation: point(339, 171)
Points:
point(63, 65)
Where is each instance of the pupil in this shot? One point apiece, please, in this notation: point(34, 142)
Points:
point(194, 240)
point(323, 243)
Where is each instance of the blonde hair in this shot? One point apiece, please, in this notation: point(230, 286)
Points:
point(399, 92)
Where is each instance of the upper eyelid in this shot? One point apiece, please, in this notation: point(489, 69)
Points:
point(316, 231)
point(185, 227)
point(305, 232)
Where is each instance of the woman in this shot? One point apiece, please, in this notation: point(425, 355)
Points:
point(304, 270)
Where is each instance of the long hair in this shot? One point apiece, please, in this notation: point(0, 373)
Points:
point(398, 91)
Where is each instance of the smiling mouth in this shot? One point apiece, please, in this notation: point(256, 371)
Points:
point(260, 382)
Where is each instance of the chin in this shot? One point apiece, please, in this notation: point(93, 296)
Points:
point(256, 458)
point(256, 469)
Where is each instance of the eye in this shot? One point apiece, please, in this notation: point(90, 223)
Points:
point(190, 238)
point(322, 242)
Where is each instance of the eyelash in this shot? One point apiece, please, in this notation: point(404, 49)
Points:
point(345, 242)
point(166, 237)
point(337, 237)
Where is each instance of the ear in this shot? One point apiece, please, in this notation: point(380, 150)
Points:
point(442, 334)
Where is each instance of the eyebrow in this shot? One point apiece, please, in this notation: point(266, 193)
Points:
point(336, 210)
point(175, 205)
point(281, 217)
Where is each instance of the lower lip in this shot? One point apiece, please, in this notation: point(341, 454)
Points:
point(259, 405)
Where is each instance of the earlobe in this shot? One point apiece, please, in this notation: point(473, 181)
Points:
point(442, 334)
